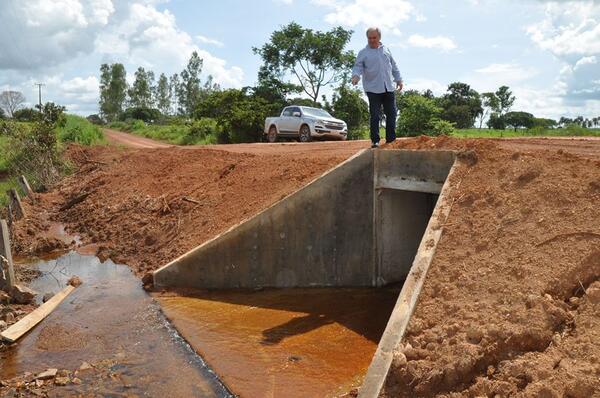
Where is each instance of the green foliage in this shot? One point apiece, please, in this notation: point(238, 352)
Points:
point(543, 123)
point(2, 115)
point(347, 104)
point(461, 105)
point(505, 100)
point(417, 114)
point(95, 119)
point(188, 91)
point(113, 91)
point(202, 131)
point(80, 130)
point(519, 119)
point(36, 152)
point(148, 115)
point(441, 127)
point(496, 121)
point(315, 58)
point(575, 130)
point(140, 93)
point(163, 95)
point(26, 115)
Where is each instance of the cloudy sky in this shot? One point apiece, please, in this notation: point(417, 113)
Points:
point(548, 52)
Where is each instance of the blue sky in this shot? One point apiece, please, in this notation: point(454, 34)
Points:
point(546, 51)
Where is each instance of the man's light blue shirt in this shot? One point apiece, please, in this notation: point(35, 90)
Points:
point(377, 68)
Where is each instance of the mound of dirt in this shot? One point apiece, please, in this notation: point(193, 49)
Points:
point(146, 207)
point(504, 309)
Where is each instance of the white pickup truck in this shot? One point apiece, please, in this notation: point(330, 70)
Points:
point(304, 123)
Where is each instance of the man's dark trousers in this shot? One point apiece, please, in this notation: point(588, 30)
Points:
point(388, 100)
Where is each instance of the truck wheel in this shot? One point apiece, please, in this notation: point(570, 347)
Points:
point(272, 135)
point(305, 133)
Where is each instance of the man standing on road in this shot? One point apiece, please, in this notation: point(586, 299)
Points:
point(380, 78)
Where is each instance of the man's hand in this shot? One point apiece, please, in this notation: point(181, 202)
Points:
point(355, 80)
point(399, 85)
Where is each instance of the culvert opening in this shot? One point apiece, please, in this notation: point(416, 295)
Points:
point(356, 227)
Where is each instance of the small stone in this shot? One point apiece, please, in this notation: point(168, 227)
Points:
point(63, 373)
point(593, 293)
point(399, 360)
point(39, 382)
point(47, 297)
point(4, 297)
point(61, 381)
point(76, 380)
point(22, 294)
point(74, 281)
point(85, 366)
point(9, 318)
point(47, 374)
point(3, 325)
point(474, 335)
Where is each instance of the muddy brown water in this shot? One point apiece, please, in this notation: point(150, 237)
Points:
point(109, 318)
point(284, 342)
point(271, 343)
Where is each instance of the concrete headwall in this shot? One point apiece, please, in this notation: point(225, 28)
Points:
point(320, 235)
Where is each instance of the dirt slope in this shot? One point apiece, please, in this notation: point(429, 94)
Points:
point(504, 310)
point(146, 207)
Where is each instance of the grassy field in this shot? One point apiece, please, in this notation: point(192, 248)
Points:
point(570, 131)
point(199, 132)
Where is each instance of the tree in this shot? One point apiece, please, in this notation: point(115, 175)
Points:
point(140, 93)
point(505, 100)
point(2, 116)
point(544, 123)
point(188, 90)
point(418, 114)
point(10, 101)
point(496, 122)
point(316, 59)
point(148, 115)
point(490, 103)
point(173, 89)
point(113, 91)
point(26, 114)
point(461, 105)
point(347, 104)
point(519, 119)
point(163, 95)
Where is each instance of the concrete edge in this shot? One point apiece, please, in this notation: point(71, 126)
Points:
point(232, 228)
point(406, 303)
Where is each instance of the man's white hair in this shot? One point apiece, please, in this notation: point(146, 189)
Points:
point(374, 29)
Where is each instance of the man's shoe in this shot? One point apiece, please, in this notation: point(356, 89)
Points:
point(375, 145)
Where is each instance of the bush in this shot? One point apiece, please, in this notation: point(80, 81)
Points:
point(95, 119)
point(26, 115)
point(574, 129)
point(80, 130)
point(202, 131)
point(496, 122)
point(442, 127)
point(417, 115)
point(148, 115)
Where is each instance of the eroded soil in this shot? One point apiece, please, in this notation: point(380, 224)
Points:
point(511, 303)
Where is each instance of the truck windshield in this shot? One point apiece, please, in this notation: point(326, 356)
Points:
point(315, 112)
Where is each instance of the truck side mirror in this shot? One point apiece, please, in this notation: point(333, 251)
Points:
point(296, 114)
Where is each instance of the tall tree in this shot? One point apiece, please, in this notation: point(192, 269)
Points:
point(188, 90)
point(113, 90)
point(140, 93)
point(10, 101)
point(505, 99)
point(347, 104)
point(163, 95)
point(316, 59)
point(461, 105)
point(174, 90)
point(490, 103)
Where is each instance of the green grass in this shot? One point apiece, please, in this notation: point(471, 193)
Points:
point(80, 130)
point(5, 185)
point(570, 131)
point(178, 134)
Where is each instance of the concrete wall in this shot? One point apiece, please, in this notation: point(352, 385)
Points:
point(319, 236)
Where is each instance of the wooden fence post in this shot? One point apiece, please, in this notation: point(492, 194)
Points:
point(26, 187)
point(8, 279)
point(17, 206)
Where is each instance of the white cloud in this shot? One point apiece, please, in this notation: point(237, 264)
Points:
point(438, 42)
point(386, 14)
point(507, 73)
point(208, 40)
point(571, 31)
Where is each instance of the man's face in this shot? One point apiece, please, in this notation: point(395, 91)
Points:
point(373, 38)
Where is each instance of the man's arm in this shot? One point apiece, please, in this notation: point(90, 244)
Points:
point(396, 73)
point(358, 68)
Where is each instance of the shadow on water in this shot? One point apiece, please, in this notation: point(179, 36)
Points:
point(109, 318)
point(315, 342)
